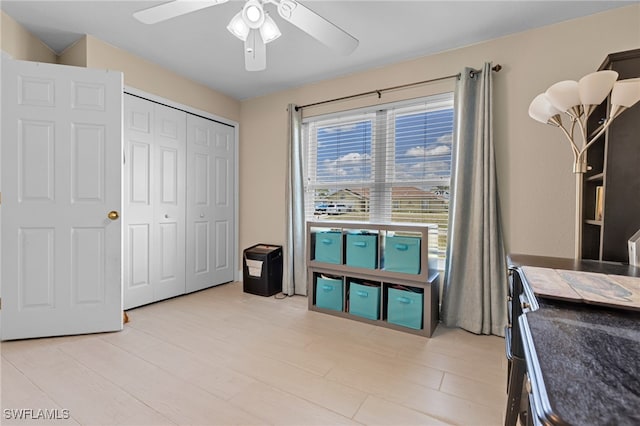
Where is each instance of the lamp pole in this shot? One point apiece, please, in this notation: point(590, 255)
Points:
point(578, 221)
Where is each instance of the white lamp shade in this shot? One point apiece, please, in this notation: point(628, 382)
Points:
point(253, 14)
point(269, 31)
point(238, 27)
point(541, 109)
point(626, 92)
point(595, 87)
point(564, 95)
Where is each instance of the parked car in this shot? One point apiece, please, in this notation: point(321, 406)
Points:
point(321, 208)
point(336, 208)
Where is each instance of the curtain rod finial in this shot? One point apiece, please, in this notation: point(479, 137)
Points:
point(497, 68)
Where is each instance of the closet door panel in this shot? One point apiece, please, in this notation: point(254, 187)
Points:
point(210, 244)
point(202, 253)
point(202, 179)
point(224, 152)
point(169, 214)
point(138, 209)
point(138, 256)
point(155, 184)
point(168, 250)
point(139, 168)
point(199, 209)
point(223, 254)
point(168, 176)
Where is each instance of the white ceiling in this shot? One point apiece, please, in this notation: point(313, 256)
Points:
point(199, 47)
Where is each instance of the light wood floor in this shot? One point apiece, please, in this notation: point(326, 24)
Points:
point(221, 356)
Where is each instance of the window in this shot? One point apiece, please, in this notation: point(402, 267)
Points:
point(388, 164)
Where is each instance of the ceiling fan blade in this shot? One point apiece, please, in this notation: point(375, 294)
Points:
point(316, 26)
point(172, 9)
point(255, 52)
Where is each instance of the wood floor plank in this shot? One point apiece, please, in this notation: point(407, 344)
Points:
point(378, 411)
point(174, 398)
point(280, 408)
point(199, 369)
point(89, 398)
point(473, 390)
point(23, 398)
point(337, 397)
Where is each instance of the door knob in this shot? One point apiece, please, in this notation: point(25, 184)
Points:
point(166, 216)
point(113, 215)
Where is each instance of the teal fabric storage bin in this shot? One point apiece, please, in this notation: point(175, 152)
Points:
point(402, 254)
point(362, 250)
point(405, 308)
point(364, 301)
point(329, 293)
point(328, 247)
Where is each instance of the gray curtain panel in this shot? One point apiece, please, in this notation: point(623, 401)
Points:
point(294, 280)
point(475, 280)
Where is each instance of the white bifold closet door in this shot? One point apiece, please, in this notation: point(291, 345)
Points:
point(210, 202)
point(154, 195)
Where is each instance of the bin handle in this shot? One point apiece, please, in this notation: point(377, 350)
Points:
point(326, 241)
point(362, 293)
point(404, 300)
point(327, 288)
point(360, 244)
point(402, 247)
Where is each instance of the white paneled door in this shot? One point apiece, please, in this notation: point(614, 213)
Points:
point(154, 193)
point(210, 203)
point(61, 200)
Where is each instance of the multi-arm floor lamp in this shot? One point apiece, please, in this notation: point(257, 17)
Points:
point(578, 99)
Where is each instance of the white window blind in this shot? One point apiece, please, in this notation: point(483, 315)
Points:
point(391, 164)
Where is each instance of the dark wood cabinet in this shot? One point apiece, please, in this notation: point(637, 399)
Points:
point(611, 199)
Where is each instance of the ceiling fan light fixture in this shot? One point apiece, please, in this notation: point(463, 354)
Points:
point(253, 14)
point(269, 31)
point(256, 28)
point(238, 27)
point(286, 8)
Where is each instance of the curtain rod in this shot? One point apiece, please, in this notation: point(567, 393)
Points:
point(378, 92)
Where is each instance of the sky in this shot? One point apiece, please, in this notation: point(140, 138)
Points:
point(422, 151)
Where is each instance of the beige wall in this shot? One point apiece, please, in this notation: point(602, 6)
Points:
point(75, 55)
point(21, 44)
point(152, 78)
point(534, 162)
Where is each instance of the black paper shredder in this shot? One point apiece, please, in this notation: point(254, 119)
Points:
point(262, 270)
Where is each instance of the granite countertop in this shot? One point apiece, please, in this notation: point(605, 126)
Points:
point(589, 360)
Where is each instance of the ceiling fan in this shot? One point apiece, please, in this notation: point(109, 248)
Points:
point(256, 28)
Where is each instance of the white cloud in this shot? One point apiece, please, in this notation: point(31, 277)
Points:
point(446, 139)
point(420, 151)
point(352, 164)
point(340, 128)
point(423, 170)
point(353, 157)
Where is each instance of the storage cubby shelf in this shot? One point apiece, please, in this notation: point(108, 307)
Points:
point(598, 177)
point(424, 283)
